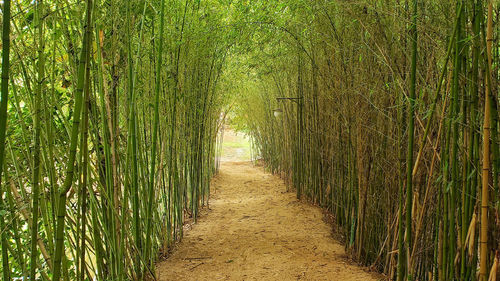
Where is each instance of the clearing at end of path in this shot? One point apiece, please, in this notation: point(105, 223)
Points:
point(255, 230)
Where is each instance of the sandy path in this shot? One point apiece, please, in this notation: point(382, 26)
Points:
point(256, 231)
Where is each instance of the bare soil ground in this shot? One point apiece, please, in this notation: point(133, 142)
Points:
point(254, 230)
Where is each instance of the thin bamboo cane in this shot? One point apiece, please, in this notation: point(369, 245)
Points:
point(3, 122)
point(154, 136)
point(36, 152)
point(61, 208)
point(440, 83)
point(409, 158)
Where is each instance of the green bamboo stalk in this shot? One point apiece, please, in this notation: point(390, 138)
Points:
point(70, 168)
point(154, 137)
point(468, 149)
point(455, 112)
point(107, 180)
point(3, 122)
point(36, 148)
point(474, 128)
point(411, 118)
point(50, 136)
point(401, 268)
point(85, 168)
point(5, 79)
point(132, 140)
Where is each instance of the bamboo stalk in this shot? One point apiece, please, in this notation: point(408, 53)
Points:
point(154, 137)
point(61, 208)
point(411, 118)
point(36, 152)
point(483, 270)
point(3, 123)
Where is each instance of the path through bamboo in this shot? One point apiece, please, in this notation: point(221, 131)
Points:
point(255, 230)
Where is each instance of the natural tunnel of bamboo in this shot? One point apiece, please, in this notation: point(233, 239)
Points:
point(384, 114)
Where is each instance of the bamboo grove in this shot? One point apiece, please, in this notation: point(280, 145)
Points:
point(108, 126)
point(385, 113)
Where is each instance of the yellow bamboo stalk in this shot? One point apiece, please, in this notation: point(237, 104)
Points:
point(483, 271)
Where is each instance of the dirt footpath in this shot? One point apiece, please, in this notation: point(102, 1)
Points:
point(254, 230)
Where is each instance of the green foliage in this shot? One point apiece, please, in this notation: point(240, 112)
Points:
point(339, 142)
point(341, 146)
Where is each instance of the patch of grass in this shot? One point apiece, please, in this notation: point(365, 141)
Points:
point(242, 144)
